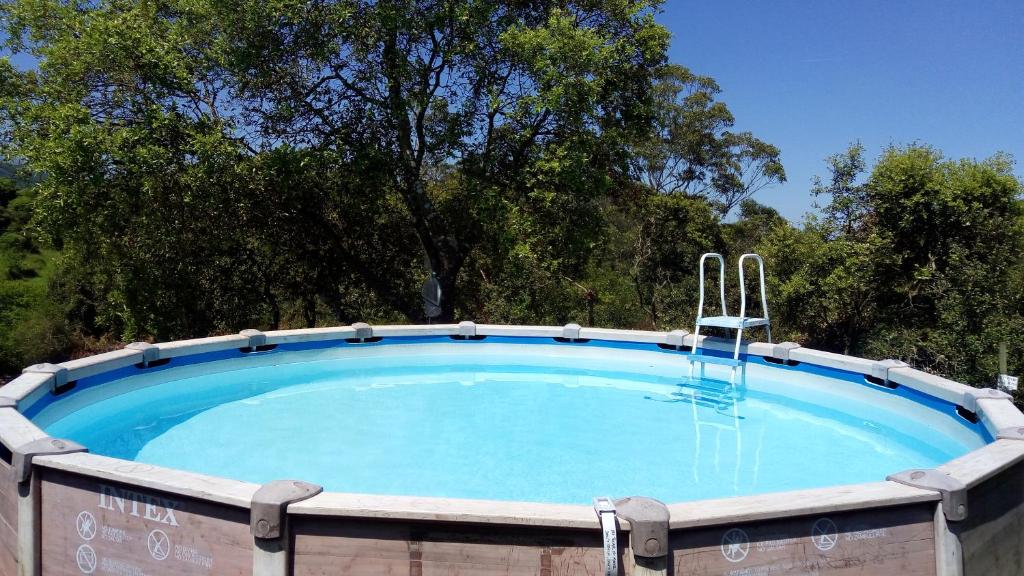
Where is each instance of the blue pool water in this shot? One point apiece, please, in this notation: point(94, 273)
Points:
point(550, 423)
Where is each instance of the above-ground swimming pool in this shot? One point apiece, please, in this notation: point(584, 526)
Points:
point(472, 449)
point(509, 419)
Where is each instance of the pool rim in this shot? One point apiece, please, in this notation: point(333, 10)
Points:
point(994, 410)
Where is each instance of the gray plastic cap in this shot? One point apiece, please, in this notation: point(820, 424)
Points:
point(363, 330)
point(60, 373)
point(648, 525)
point(571, 331)
point(1011, 433)
point(467, 328)
point(881, 368)
point(270, 503)
point(953, 491)
point(675, 337)
point(24, 454)
point(972, 395)
point(782, 350)
point(150, 352)
point(256, 338)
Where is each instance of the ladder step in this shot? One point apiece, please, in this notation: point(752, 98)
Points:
point(706, 389)
point(706, 395)
point(731, 322)
point(702, 359)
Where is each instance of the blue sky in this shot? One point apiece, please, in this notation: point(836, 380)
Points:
point(813, 76)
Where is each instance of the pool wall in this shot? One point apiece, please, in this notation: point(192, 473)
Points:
point(64, 511)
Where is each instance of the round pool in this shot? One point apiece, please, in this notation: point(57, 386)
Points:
point(481, 448)
point(527, 419)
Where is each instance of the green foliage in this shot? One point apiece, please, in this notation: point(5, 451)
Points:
point(692, 149)
point(356, 138)
point(919, 260)
point(192, 167)
point(946, 237)
point(32, 323)
point(818, 289)
point(847, 204)
point(672, 232)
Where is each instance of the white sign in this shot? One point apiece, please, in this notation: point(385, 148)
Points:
point(1008, 383)
point(159, 544)
point(824, 534)
point(86, 525)
point(735, 545)
point(86, 558)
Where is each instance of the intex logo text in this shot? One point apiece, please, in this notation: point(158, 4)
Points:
point(128, 502)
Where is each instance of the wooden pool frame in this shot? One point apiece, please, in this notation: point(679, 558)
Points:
point(64, 511)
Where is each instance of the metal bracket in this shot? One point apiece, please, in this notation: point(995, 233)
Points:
point(648, 525)
point(6, 402)
point(256, 338)
point(24, 454)
point(1011, 433)
point(270, 503)
point(150, 352)
point(972, 396)
point(953, 491)
point(675, 338)
point(605, 509)
point(782, 350)
point(60, 373)
point(881, 368)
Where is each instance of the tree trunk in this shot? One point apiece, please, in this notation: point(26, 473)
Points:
point(448, 290)
point(309, 310)
point(275, 309)
point(442, 250)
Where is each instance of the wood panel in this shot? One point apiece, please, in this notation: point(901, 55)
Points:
point(366, 547)
point(993, 533)
point(896, 541)
point(95, 526)
point(8, 521)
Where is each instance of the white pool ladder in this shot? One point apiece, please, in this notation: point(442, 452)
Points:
point(737, 323)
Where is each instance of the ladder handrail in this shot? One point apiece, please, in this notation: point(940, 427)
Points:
point(721, 282)
point(743, 286)
point(737, 323)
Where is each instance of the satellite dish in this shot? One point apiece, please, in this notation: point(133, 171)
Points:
point(432, 297)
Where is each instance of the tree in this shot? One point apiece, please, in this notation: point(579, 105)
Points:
point(753, 223)
point(946, 237)
point(32, 325)
point(918, 259)
point(818, 291)
point(847, 205)
point(692, 150)
point(673, 232)
point(159, 123)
